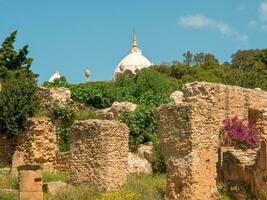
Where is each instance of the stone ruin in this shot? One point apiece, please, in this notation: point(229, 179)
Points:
point(189, 132)
point(37, 145)
point(98, 153)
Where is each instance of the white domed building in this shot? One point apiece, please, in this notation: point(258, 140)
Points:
point(56, 75)
point(133, 61)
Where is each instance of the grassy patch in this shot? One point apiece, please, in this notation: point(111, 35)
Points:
point(8, 180)
point(8, 196)
point(53, 175)
point(137, 188)
point(86, 114)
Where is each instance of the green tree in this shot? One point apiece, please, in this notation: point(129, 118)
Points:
point(18, 99)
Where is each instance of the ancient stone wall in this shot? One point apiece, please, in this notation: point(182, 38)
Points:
point(241, 169)
point(38, 144)
point(98, 153)
point(62, 161)
point(189, 135)
point(7, 148)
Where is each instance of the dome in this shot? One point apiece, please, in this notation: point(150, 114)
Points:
point(54, 76)
point(133, 61)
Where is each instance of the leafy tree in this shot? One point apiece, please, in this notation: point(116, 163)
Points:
point(18, 99)
point(188, 58)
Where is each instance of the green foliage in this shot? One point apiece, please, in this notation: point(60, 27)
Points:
point(142, 124)
point(18, 99)
point(64, 115)
point(58, 82)
point(158, 165)
point(52, 176)
point(223, 191)
point(98, 94)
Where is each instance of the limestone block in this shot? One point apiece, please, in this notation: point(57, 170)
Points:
point(17, 160)
point(177, 97)
point(98, 153)
point(146, 151)
point(115, 111)
point(138, 165)
point(54, 187)
point(38, 143)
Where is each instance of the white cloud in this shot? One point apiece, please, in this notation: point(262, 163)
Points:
point(263, 11)
point(201, 21)
point(196, 21)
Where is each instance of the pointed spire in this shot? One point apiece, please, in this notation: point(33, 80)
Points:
point(134, 39)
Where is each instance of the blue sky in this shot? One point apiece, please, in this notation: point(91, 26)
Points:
point(70, 35)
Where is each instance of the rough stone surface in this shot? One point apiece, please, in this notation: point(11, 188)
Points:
point(146, 151)
point(98, 153)
point(38, 144)
point(62, 161)
point(239, 168)
point(7, 148)
point(177, 97)
point(54, 187)
point(189, 135)
point(54, 94)
point(114, 112)
point(138, 165)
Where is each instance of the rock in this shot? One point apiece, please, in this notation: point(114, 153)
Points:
point(49, 95)
point(259, 89)
point(146, 151)
point(177, 97)
point(17, 160)
point(38, 143)
point(115, 111)
point(61, 94)
point(54, 187)
point(138, 165)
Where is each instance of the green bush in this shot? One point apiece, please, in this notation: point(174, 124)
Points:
point(63, 115)
point(142, 124)
point(58, 82)
point(18, 101)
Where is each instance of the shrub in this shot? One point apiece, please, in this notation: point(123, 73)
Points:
point(58, 82)
point(142, 124)
point(18, 101)
point(64, 115)
point(239, 134)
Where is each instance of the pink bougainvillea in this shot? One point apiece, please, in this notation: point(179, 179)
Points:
point(239, 134)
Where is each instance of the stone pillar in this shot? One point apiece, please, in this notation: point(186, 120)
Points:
point(30, 182)
point(98, 153)
point(263, 156)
